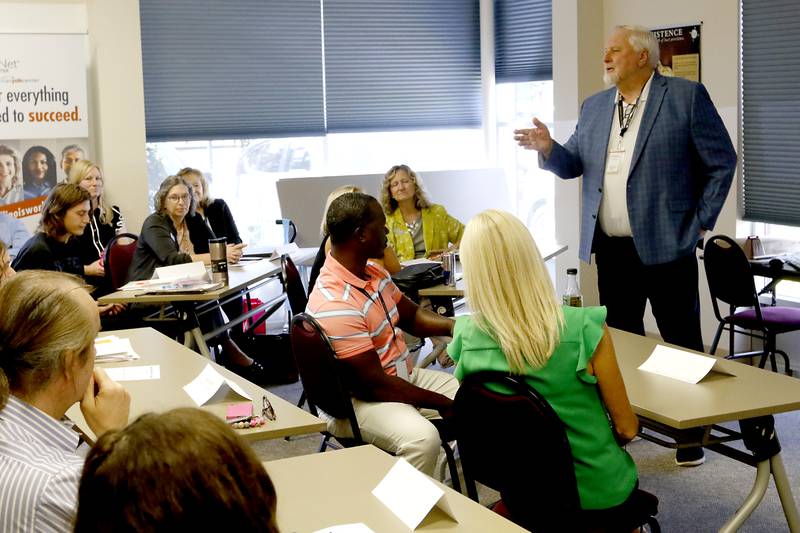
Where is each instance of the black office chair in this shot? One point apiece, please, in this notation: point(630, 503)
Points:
point(730, 280)
point(516, 444)
point(293, 285)
point(296, 294)
point(325, 388)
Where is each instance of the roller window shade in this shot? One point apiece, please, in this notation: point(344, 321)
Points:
point(232, 69)
point(771, 111)
point(523, 40)
point(392, 65)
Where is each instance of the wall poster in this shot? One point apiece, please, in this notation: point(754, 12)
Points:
point(44, 122)
point(679, 47)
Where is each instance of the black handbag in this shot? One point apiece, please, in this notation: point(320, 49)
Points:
point(412, 278)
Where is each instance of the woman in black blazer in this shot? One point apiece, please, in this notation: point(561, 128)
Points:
point(216, 215)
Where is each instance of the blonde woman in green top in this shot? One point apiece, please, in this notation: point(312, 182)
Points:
point(417, 228)
point(565, 353)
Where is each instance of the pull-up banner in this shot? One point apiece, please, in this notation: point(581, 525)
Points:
point(43, 86)
point(44, 122)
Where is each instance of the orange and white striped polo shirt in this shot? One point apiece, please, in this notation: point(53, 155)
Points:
point(354, 322)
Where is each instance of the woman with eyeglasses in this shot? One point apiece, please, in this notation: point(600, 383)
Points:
point(518, 326)
point(105, 221)
point(417, 227)
point(173, 235)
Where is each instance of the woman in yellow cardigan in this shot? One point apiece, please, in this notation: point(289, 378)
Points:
point(417, 228)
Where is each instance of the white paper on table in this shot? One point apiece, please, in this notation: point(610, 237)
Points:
point(114, 349)
point(210, 383)
point(289, 248)
point(410, 494)
point(196, 270)
point(420, 261)
point(134, 373)
point(346, 528)
point(679, 364)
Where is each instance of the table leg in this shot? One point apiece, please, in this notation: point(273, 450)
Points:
point(197, 335)
point(785, 493)
point(763, 471)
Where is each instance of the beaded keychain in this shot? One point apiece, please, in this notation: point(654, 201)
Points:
point(250, 422)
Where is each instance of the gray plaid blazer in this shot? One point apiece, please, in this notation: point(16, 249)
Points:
point(682, 167)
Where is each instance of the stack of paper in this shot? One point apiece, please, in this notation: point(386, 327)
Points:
point(174, 277)
point(113, 349)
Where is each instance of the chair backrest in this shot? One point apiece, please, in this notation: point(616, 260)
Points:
point(293, 285)
point(319, 371)
point(515, 443)
point(730, 278)
point(119, 255)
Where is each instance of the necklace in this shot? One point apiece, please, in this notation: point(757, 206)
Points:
point(414, 224)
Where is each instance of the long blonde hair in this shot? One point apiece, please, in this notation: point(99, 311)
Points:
point(80, 169)
point(389, 204)
point(335, 193)
point(509, 290)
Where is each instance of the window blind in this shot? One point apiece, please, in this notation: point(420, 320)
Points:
point(770, 111)
point(232, 69)
point(411, 64)
point(523, 40)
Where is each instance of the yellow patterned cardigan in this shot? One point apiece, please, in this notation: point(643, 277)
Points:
point(438, 229)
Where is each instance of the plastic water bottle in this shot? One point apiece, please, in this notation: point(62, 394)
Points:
point(572, 295)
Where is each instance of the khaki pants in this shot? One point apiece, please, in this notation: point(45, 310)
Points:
point(400, 428)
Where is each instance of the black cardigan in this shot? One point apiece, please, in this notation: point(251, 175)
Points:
point(158, 246)
point(220, 218)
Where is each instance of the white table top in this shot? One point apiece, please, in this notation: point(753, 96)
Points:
point(180, 365)
point(750, 392)
point(332, 488)
point(240, 276)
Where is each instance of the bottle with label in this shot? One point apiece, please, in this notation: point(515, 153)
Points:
point(572, 295)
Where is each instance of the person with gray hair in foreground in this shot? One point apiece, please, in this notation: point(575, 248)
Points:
point(47, 331)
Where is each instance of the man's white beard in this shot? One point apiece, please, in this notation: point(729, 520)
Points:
point(610, 78)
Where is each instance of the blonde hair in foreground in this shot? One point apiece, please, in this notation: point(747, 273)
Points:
point(509, 289)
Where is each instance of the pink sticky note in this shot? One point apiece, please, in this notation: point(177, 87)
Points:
point(238, 410)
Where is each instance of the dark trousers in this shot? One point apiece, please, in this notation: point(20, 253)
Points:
point(626, 284)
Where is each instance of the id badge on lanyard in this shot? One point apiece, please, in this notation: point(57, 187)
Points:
point(615, 160)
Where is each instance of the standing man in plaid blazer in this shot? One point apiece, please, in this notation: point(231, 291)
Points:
point(657, 164)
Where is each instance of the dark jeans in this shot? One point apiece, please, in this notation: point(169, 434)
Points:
point(626, 284)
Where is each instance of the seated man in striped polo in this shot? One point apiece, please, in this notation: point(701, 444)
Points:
point(360, 308)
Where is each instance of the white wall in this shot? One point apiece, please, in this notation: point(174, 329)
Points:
point(575, 26)
point(116, 97)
